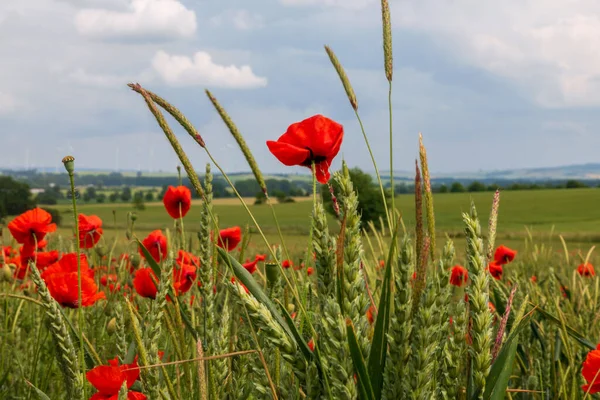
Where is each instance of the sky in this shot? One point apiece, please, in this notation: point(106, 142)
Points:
point(490, 85)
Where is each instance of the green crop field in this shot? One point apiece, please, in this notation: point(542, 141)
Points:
point(545, 214)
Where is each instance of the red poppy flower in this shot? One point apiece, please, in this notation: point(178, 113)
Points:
point(229, 238)
point(183, 257)
point(31, 226)
point(177, 201)
point(287, 263)
point(143, 282)
point(90, 230)
point(183, 278)
point(309, 271)
point(260, 257)
point(250, 266)
point(316, 139)
point(534, 279)
point(156, 244)
point(495, 270)
point(105, 280)
point(492, 307)
point(586, 270)
point(42, 260)
point(590, 369)
point(68, 263)
point(381, 263)
point(63, 288)
point(504, 255)
point(311, 344)
point(108, 379)
point(458, 276)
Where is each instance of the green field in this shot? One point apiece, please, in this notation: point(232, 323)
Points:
point(574, 214)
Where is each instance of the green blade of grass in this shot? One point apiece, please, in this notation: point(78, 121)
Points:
point(497, 381)
point(570, 331)
point(247, 280)
point(377, 356)
point(364, 382)
point(41, 395)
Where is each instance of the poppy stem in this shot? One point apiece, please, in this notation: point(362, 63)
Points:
point(79, 295)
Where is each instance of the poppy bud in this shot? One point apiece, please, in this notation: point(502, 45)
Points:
point(6, 273)
point(111, 328)
point(101, 250)
point(291, 308)
point(272, 273)
point(135, 260)
point(133, 216)
point(69, 163)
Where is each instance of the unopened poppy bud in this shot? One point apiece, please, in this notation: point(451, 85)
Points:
point(272, 272)
point(135, 260)
point(69, 163)
point(291, 308)
point(133, 216)
point(101, 250)
point(111, 328)
point(6, 273)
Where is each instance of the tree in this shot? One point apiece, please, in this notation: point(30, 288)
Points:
point(101, 198)
point(138, 201)
point(48, 196)
point(476, 186)
point(573, 184)
point(126, 194)
point(457, 187)
point(89, 194)
point(15, 197)
point(113, 197)
point(149, 196)
point(370, 203)
point(443, 189)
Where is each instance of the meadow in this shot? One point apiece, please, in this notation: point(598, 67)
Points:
point(541, 215)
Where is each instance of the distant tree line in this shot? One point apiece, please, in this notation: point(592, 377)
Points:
point(478, 186)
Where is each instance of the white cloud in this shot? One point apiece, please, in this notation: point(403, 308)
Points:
point(242, 20)
point(352, 4)
point(200, 69)
point(548, 47)
point(164, 18)
point(8, 104)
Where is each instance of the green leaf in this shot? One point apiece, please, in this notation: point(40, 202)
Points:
point(570, 331)
point(149, 259)
point(297, 336)
point(253, 287)
point(41, 395)
point(377, 356)
point(497, 380)
point(364, 382)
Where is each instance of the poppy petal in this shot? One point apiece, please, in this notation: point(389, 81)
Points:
point(287, 153)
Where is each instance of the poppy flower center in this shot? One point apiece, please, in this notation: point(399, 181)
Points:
point(317, 159)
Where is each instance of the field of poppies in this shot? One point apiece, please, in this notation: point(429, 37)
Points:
point(358, 313)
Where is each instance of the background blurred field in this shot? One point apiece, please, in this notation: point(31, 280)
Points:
point(545, 214)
